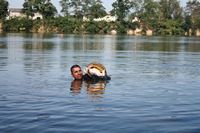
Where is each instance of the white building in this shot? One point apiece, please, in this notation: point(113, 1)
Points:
point(107, 18)
point(17, 12)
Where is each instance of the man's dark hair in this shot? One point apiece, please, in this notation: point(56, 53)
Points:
point(74, 66)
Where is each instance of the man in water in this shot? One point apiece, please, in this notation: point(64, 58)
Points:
point(78, 76)
point(76, 72)
point(94, 83)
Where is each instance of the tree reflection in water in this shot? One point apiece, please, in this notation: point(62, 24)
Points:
point(92, 88)
point(96, 88)
point(76, 86)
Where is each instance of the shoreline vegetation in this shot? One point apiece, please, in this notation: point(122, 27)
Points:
point(64, 25)
point(138, 17)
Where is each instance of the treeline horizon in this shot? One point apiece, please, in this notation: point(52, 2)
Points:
point(163, 17)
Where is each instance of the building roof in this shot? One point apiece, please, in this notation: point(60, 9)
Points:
point(15, 10)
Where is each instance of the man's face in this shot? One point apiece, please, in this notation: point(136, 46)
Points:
point(77, 73)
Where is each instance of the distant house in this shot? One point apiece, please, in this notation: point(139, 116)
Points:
point(17, 12)
point(136, 19)
point(107, 18)
point(37, 16)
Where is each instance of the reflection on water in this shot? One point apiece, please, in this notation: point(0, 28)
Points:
point(154, 87)
point(96, 87)
point(100, 42)
point(76, 86)
point(93, 89)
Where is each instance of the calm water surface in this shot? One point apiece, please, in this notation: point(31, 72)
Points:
point(155, 84)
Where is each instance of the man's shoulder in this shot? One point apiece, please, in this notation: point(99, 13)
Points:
point(86, 77)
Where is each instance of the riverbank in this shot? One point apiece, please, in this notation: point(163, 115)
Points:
point(63, 25)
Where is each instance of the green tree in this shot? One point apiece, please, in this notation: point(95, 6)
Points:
point(170, 27)
point(125, 11)
point(187, 25)
point(171, 18)
point(45, 7)
point(121, 8)
point(76, 6)
point(28, 8)
point(65, 5)
point(80, 8)
point(85, 5)
point(192, 13)
point(3, 9)
point(97, 9)
point(48, 10)
point(18, 25)
point(149, 14)
point(170, 9)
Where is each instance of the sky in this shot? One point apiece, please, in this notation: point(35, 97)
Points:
point(106, 3)
point(18, 4)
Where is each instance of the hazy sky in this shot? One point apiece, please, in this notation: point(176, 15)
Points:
point(107, 4)
point(18, 4)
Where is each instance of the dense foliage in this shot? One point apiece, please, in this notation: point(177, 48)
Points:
point(3, 9)
point(192, 16)
point(163, 17)
point(44, 7)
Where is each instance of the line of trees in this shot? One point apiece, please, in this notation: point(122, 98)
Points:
point(44, 7)
point(3, 9)
point(163, 17)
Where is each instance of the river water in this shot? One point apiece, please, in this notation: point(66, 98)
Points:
point(155, 84)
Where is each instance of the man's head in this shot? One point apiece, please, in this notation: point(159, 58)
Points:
point(76, 72)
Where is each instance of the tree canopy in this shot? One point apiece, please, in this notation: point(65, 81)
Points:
point(192, 13)
point(80, 8)
point(45, 7)
point(163, 17)
point(3, 9)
